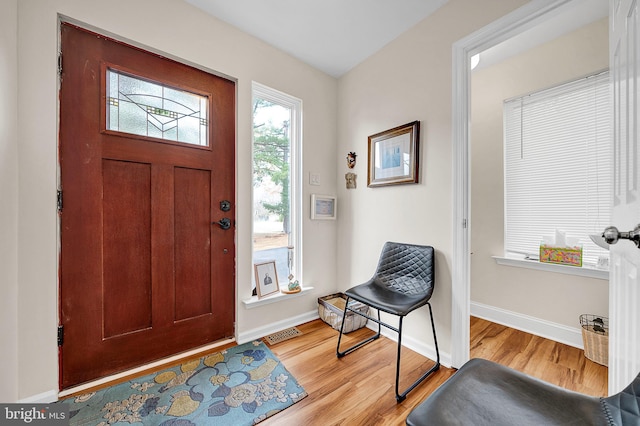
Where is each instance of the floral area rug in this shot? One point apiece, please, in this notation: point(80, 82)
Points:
point(242, 385)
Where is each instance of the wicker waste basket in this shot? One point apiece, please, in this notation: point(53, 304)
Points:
point(331, 310)
point(595, 336)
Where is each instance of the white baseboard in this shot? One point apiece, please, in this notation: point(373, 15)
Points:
point(265, 330)
point(549, 330)
point(415, 345)
point(41, 398)
point(409, 342)
point(571, 336)
point(259, 332)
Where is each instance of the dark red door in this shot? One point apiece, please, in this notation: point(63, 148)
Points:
point(145, 270)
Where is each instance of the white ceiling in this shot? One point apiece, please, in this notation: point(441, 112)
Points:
point(330, 35)
point(336, 35)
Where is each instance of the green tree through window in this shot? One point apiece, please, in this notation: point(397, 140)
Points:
point(271, 156)
point(277, 183)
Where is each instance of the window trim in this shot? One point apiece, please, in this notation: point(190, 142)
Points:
point(254, 302)
point(598, 80)
point(265, 92)
point(584, 271)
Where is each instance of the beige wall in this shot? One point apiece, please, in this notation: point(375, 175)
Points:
point(549, 296)
point(409, 79)
point(9, 204)
point(179, 30)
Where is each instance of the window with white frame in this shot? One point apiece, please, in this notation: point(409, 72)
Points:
point(558, 166)
point(277, 182)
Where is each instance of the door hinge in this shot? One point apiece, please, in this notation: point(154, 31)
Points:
point(59, 201)
point(464, 223)
point(60, 64)
point(60, 335)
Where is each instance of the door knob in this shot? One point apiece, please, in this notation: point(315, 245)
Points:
point(224, 223)
point(611, 235)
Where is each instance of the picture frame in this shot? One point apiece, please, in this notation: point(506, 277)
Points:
point(394, 156)
point(323, 207)
point(266, 278)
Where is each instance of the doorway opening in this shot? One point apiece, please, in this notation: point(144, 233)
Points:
point(511, 25)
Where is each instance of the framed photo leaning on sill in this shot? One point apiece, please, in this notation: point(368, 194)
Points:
point(266, 278)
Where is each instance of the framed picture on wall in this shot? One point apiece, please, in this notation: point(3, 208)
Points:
point(323, 207)
point(393, 156)
point(266, 278)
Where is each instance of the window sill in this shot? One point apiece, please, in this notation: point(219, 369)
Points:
point(585, 271)
point(254, 302)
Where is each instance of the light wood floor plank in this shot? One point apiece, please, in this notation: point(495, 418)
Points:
point(358, 389)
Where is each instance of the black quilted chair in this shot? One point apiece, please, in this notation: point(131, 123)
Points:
point(483, 393)
point(403, 282)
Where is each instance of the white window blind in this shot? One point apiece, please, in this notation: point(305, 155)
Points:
point(558, 165)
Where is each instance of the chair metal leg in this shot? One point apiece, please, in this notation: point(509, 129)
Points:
point(401, 396)
point(339, 353)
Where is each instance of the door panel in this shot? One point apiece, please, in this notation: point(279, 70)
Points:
point(624, 285)
point(193, 242)
point(126, 231)
point(143, 272)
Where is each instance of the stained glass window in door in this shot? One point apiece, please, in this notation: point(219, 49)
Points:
point(145, 108)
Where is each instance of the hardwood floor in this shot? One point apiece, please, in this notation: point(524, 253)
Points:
point(545, 359)
point(358, 389)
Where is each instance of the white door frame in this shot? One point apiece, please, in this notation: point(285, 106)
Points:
point(504, 28)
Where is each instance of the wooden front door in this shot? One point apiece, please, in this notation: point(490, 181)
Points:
point(146, 170)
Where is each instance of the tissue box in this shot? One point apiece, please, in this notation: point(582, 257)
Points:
point(561, 255)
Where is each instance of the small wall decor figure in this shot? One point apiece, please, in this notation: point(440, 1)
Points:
point(351, 160)
point(351, 180)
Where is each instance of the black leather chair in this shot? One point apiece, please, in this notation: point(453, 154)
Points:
point(402, 283)
point(483, 393)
